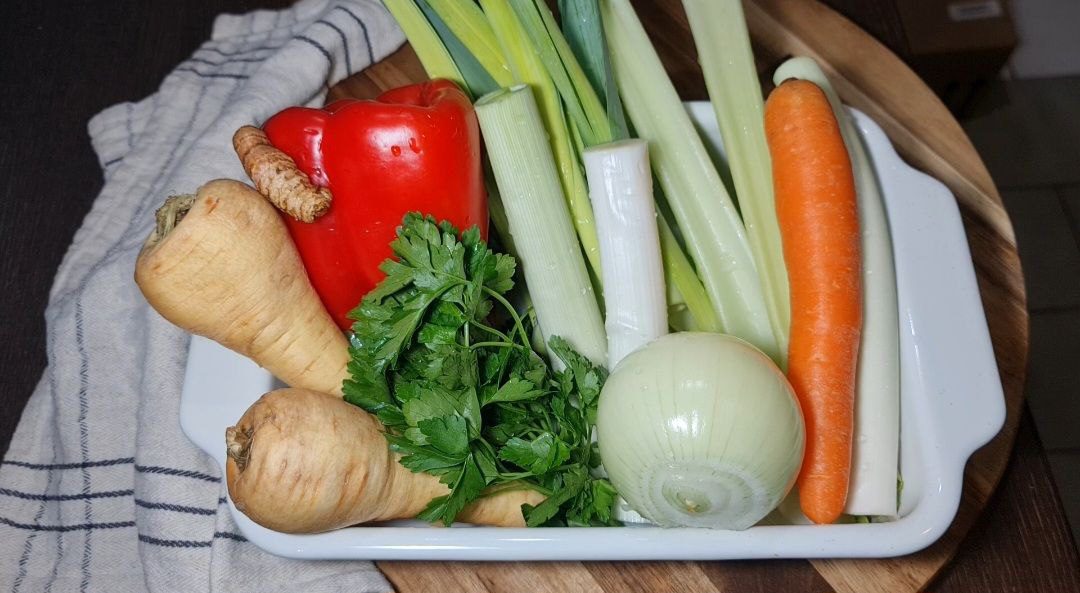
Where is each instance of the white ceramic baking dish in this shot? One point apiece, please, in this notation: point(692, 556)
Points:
point(951, 401)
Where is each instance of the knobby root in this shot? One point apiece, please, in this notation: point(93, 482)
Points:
point(277, 177)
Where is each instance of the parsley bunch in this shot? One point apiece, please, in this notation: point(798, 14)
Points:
point(444, 361)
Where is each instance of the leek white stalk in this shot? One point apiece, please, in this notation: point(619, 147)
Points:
point(723, 45)
point(620, 188)
point(700, 430)
point(551, 259)
point(875, 453)
point(714, 233)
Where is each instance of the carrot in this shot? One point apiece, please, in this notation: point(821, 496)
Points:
point(221, 264)
point(819, 228)
point(306, 462)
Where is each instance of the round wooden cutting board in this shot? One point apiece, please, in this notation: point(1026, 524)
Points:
point(869, 77)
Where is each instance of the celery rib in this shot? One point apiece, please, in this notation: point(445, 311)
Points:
point(679, 274)
point(723, 44)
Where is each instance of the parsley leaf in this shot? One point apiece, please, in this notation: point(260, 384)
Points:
point(446, 434)
point(445, 362)
point(516, 389)
point(538, 456)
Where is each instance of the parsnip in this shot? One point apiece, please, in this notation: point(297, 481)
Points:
point(221, 264)
point(306, 462)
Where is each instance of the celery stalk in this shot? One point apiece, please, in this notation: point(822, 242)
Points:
point(682, 280)
point(705, 213)
point(547, 246)
point(425, 41)
point(875, 452)
point(528, 68)
point(723, 46)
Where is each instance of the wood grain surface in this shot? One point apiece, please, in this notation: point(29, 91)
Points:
point(871, 78)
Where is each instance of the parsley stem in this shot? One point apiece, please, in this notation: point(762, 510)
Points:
point(515, 484)
point(513, 313)
point(506, 477)
point(491, 330)
point(497, 345)
point(488, 448)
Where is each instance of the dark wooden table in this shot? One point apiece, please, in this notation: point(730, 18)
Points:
point(61, 62)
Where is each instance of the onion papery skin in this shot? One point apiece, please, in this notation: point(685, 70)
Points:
point(700, 430)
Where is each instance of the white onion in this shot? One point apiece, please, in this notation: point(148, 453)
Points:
point(700, 430)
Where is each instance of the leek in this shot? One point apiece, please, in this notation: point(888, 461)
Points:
point(584, 31)
point(429, 48)
point(688, 304)
point(875, 453)
point(539, 221)
point(469, 25)
point(581, 101)
point(528, 69)
point(498, 26)
point(620, 187)
point(475, 75)
point(621, 191)
point(723, 45)
point(705, 213)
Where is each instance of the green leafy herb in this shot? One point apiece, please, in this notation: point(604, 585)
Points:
point(441, 357)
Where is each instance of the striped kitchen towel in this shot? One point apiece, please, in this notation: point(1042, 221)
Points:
point(100, 490)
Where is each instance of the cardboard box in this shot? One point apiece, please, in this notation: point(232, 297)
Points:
point(956, 46)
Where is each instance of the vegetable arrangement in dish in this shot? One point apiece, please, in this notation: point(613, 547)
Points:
point(528, 377)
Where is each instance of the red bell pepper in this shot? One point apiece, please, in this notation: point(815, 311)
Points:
point(415, 148)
